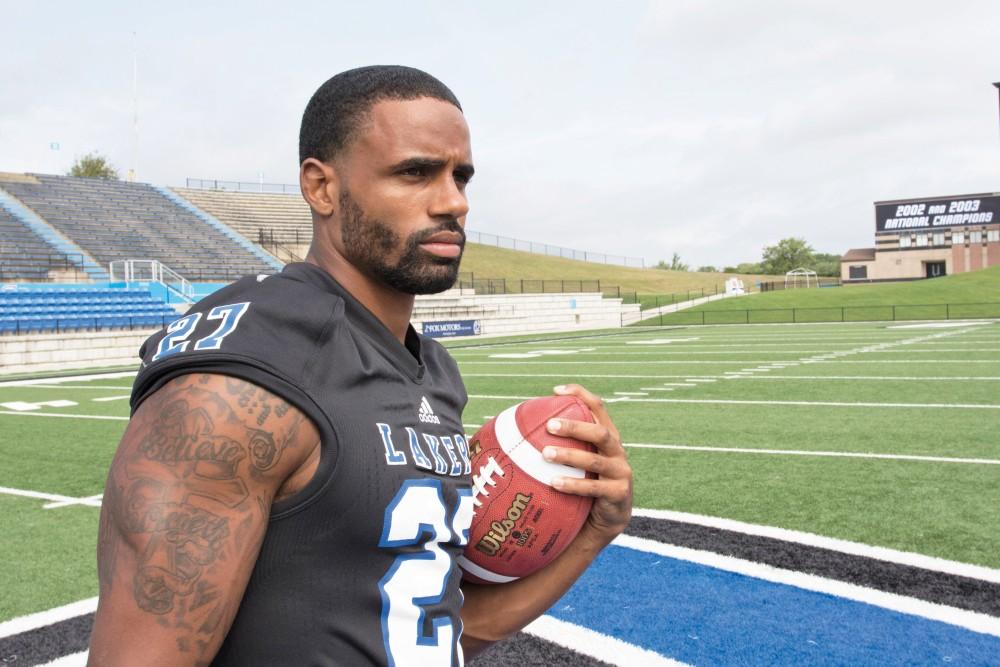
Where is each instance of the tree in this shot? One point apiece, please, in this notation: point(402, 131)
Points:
point(826, 264)
point(675, 264)
point(785, 255)
point(93, 165)
point(744, 268)
point(707, 269)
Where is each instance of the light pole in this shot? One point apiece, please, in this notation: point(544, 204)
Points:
point(996, 85)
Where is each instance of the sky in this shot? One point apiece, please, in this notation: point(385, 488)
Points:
point(705, 128)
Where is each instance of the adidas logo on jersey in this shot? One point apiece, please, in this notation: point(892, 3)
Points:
point(425, 413)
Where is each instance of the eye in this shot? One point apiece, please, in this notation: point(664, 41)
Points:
point(414, 171)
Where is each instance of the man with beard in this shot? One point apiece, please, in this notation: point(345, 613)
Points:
point(293, 487)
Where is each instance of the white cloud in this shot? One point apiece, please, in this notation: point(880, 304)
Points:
point(703, 128)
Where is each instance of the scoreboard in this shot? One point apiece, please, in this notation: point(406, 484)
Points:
point(937, 212)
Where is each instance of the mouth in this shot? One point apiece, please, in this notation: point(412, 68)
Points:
point(444, 244)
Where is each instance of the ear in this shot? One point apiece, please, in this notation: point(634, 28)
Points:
point(318, 182)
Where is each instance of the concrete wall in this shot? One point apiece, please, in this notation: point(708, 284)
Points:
point(69, 351)
point(498, 314)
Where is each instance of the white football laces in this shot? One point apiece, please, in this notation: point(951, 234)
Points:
point(483, 479)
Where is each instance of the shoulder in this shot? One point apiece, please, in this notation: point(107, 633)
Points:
point(275, 323)
point(224, 422)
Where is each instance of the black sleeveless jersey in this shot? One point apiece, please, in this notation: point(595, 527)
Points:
point(359, 567)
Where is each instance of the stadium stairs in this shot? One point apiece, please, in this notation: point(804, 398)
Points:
point(28, 233)
point(221, 227)
point(278, 222)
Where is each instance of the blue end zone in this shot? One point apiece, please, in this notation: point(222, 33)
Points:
point(705, 616)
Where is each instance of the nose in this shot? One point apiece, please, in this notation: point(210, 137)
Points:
point(449, 200)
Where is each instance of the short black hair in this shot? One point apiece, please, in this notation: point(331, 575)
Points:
point(340, 105)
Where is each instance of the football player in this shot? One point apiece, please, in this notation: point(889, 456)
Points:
point(293, 486)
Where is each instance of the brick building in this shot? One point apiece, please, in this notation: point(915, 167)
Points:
point(925, 238)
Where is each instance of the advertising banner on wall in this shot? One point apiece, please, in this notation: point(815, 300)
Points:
point(448, 328)
point(937, 212)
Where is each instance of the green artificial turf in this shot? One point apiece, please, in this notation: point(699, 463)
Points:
point(847, 389)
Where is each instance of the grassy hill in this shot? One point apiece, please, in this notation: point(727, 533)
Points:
point(490, 262)
point(861, 302)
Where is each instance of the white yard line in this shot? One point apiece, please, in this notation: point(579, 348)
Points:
point(72, 660)
point(620, 362)
point(595, 644)
point(576, 375)
point(48, 617)
point(953, 378)
point(836, 404)
point(806, 452)
point(104, 387)
point(70, 378)
point(720, 401)
point(969, 620)
point(103, 399)
point(93, 501)
point(67, 416)
point(54, 499)
point(834, 544)
point(710, 378)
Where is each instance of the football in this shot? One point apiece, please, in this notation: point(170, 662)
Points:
point(520, 522)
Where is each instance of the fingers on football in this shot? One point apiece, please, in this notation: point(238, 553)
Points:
point(615, 491)
point(602, 436)
point(605, 466)
point(591, 400)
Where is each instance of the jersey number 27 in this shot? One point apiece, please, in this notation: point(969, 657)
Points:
point(418, 516)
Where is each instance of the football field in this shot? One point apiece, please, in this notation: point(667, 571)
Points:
point(805, 493)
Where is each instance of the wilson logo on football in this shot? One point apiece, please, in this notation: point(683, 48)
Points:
point(425, 413)
point(500, 530)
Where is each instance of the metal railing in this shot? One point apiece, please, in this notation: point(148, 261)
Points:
point(819, 314)
point(241, 186)
point(468, 280)
point(151, 270)
point(822, 281)
point(552, 250)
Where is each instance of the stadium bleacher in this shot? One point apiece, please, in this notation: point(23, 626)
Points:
point(18, 242)
point(115, 220)
point(69, 307)
point(262, 218)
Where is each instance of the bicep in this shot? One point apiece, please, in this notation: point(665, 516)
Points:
point(185, 510)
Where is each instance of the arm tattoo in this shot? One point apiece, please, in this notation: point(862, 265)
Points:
point(183, 495)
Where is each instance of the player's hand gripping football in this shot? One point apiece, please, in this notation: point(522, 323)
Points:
point(612, 489)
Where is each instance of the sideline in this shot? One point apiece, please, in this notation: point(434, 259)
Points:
point(886, 554)
point(981, 623)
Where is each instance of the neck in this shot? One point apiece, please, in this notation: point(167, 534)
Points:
point(393, 308)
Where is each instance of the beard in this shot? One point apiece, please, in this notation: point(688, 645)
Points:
point(368, 242)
